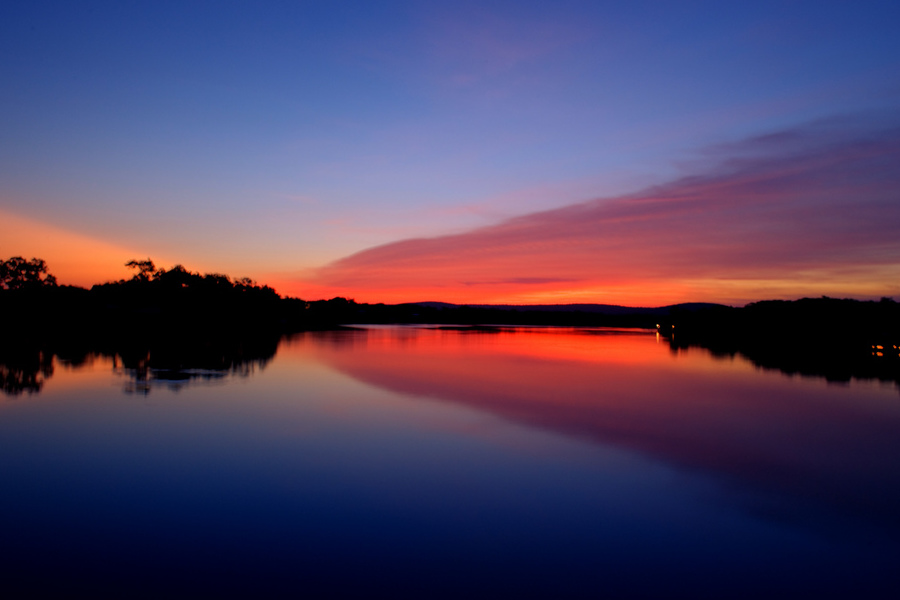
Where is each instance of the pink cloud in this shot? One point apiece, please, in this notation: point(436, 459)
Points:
point(818, 206)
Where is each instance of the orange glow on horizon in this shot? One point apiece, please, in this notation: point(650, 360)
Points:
point(74, 259)
point(866, 285)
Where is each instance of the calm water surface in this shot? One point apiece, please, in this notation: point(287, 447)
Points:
point(425, 462)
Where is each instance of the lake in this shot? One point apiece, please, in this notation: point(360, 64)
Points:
point(430, 462)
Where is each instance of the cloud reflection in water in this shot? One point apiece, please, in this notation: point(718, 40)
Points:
point(795, 449)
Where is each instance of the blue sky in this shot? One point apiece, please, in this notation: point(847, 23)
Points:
point(273, 138)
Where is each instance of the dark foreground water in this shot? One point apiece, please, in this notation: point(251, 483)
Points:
point(428, 463)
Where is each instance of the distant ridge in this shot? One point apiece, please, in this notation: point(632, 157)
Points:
point(602, 309)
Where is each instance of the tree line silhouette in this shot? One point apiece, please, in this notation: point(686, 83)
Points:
point(173, 324)
point(838, 339)
point(172, 321)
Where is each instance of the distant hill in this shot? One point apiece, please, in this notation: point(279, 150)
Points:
point(600, 309)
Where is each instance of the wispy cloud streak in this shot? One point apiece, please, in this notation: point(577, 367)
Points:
point(810, 210)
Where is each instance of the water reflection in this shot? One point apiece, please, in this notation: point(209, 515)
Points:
point(799, 450)
point(412, 462)
point(172, 363)
point(24, 371)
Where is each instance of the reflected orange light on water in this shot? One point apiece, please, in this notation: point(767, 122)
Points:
point(442, 347)
point(613, 389)
point(66, 380)
point(548, 377)
point(629, 390)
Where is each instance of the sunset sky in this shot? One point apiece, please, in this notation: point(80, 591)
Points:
point(640, 153)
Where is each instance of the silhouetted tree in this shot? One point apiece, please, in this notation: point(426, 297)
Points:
point(146, 269)
point(18, 273)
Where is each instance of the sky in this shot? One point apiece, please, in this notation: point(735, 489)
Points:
point(640, 153)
